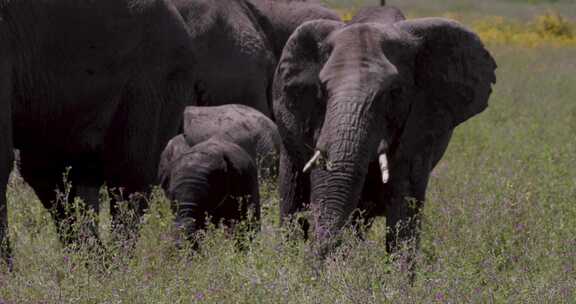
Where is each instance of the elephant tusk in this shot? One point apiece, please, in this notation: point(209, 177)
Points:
point(383, 160)
point(312, 161)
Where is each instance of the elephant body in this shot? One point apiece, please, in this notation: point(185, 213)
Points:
point(238, 124)
point(237, 44)
point(96, 86)
point(91, 85)
point(214, 178)
point(366, 110)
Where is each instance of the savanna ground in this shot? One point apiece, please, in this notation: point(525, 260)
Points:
point(499, 225)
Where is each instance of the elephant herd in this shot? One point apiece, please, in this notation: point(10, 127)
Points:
point(200, 95)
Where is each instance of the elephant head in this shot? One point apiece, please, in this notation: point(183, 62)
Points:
point(214, 177)
point(194, 177)
point(350, 93)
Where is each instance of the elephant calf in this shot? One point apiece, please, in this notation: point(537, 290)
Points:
point(214, 178)
point(239, 124)
point(213, 167)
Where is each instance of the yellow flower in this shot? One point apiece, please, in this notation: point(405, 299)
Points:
point(548, 29)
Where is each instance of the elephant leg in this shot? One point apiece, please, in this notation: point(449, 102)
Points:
point(249, 206)
point(6, 162)
point(127, 207)
point(254, 205)
point(6, 151)
point(240, 217)
point(371, 203)
point(404, 195)
point(86, 182)
point(294, 191)
point(402, 216)
point(128, 196)
point(57, 187)
point(404, 202)
point(143, 124)
point(46, 179)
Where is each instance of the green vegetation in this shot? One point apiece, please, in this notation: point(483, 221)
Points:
point(470, 9)
point(499, 226)
point(547, 30)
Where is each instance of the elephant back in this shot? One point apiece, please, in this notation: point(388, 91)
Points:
point(239, 124)
point(284, 16)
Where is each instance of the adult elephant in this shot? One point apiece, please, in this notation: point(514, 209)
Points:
point(237, 44)
point(366, 110)
point(91, 85)
point(96, 85)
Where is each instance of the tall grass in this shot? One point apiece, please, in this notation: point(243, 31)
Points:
point(499, 225)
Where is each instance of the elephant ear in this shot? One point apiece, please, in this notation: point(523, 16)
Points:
point(174, 150)
point(452, 69)
point(300, 62)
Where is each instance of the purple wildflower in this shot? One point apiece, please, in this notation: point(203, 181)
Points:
point(199, 296)
point(440, 297)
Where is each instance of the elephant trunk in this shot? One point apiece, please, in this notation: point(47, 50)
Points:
point(348, 141)
point(190, 193)
point(188, 217)
point(334, 196)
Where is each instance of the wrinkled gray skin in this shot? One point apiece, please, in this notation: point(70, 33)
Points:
point(215, 178)
point(378, 85)
point(93, 85)
point(237, 44)
point(239, 124)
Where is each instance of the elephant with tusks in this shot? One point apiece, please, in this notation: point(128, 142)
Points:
point(366, 110)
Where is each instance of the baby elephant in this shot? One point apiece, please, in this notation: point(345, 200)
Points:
point(214, 178)
point(239, 124)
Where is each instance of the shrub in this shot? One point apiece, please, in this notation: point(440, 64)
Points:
point(553, 24)
point(549, 29)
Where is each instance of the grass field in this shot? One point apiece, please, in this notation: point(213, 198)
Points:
point(499, 226)
point(521, 9)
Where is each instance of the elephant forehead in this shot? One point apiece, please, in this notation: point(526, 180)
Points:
point(343, 74)
point(357, 57)
point(361, 39)
point(367, 53)
point(372, 39)
point(195, 159)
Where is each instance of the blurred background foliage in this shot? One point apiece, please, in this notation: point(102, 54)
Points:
point(528, 23)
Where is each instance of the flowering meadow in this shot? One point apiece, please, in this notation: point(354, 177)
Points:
point(499, 222)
